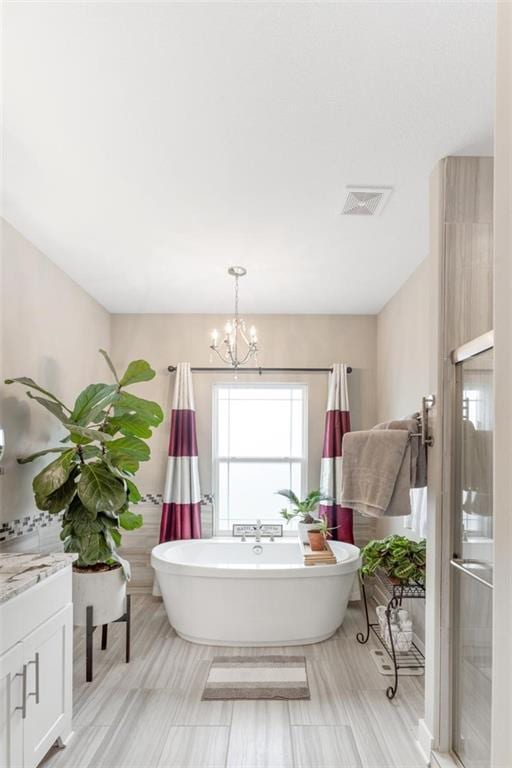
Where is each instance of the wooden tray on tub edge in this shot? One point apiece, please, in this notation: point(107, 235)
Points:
point(326, 557)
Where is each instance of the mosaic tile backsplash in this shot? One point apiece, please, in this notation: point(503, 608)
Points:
point(40, 520)
point(27, 524)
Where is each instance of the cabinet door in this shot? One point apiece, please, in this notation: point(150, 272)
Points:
point(11, 702)
point(47, 652)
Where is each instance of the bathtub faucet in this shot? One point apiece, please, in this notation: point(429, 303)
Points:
point(259, 531)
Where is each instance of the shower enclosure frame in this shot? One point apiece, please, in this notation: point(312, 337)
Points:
point(445, 539)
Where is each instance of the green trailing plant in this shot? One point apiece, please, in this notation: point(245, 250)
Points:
point(400, 558)
point(90, 480)
point(304, 509)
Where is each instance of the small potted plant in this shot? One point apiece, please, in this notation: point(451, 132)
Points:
point(402, 560)
point(305, 510)
point(318, 533)
point(90, 482)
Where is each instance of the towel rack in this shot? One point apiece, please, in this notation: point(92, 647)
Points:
point(427, 402)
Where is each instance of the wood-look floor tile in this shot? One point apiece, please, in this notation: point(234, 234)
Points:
point(189, 709)
point(260, 735)
point(195, 747)
point(350, 665)
point(79, 752)
point(325, 747)
point(381, 731)
point(325, 707)
point(135, 715)
point(99, 705)
point(137, 737)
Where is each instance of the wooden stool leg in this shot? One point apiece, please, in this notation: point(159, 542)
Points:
point(88, 643)
point(128, 626)
point(104, 636)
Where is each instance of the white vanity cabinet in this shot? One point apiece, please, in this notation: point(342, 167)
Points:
point(11, 725)
point(36, 629)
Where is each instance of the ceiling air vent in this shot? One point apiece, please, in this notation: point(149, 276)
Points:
point(365, 201)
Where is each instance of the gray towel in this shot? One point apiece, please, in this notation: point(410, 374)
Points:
point(376, 472)
point(418, 451)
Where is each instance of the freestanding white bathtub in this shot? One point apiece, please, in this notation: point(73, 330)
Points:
point(227, 592)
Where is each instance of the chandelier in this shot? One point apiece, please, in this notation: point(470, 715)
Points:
point(238, 346)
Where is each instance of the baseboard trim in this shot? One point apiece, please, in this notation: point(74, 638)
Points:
point(424, 741)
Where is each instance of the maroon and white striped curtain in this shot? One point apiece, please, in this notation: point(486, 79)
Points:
point(337, 423)
point(181, 511)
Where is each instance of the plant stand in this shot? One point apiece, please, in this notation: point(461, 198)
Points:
point(411, 659)
point(89, 630)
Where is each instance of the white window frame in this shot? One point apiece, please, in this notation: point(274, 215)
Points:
point(248, 459)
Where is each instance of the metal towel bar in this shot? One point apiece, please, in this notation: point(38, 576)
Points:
point(427, 402)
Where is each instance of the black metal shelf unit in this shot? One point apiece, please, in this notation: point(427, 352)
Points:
point(411, 659)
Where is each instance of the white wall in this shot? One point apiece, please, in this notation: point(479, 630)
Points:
point(51, 331)
point(286, 340)
point(403, 344)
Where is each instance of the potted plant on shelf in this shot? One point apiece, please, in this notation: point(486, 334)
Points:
point(402, 560)
point(305, 510)
point(90, 482)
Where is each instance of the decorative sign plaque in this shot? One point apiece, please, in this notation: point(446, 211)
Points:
point(249, 529)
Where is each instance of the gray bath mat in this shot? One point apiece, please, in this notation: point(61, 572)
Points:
point(257, 677)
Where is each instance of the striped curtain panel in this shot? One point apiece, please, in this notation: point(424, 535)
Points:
point(181, 511)
point(337, 423)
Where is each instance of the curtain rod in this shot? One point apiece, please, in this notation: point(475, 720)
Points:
point(172, 369)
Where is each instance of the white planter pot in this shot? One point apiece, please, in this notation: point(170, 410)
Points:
point(104, 590)
point(303, 531)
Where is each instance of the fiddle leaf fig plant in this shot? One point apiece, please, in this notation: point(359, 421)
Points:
point(90, 476)
point(399, 557)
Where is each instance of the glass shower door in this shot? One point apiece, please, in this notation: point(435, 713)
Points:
point(472, 564)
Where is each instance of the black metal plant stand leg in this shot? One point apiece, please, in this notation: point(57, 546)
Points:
point(89, 634)
point(363, 637)
point(392, 606)
point(89, 631)
point(411, 659)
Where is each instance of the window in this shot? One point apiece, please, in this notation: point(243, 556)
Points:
point(259, 447)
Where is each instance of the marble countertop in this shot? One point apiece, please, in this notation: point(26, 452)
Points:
point(20, 571)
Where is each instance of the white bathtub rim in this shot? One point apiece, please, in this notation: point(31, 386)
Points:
point(262, 572)
point(251, 571)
